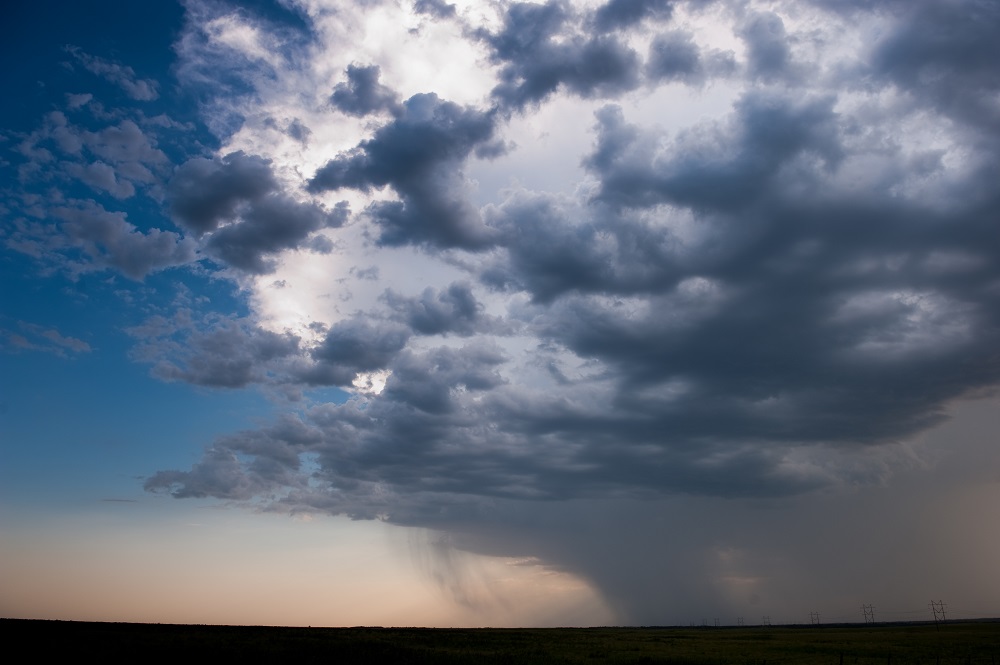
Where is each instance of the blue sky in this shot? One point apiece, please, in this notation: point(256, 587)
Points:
point(632, 312)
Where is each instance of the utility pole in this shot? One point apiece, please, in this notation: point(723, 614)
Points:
point(869, 613)
point(814, 618)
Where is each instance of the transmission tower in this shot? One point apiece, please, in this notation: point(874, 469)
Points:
point(938, 609)
point(739, 621)
point(765, 620)
point(814, 618)
point(869, 613)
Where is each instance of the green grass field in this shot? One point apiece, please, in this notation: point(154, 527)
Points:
point(951, 643)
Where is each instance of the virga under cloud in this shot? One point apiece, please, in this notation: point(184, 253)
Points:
point(757, 304)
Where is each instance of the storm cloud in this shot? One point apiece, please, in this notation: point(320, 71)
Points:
point(237, 201)
point(649, 284)
point(420, 155)
point(535, 64)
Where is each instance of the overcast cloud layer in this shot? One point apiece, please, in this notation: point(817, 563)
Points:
point(615, 285)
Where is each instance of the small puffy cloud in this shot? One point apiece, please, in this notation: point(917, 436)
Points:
point(102, 177)
point(363, 94)
point(78, 100)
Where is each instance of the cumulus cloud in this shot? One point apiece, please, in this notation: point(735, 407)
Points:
point(617, 14)
point(212, 350)
point(363, 94)
point(453, 310)
point(539, 53)
point(674, 56)
point(420, 155)
point(238, 203)
point(768, 53)
point(714, 301)
point(82, 236)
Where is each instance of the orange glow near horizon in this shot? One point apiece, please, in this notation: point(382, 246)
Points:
point(252, 569)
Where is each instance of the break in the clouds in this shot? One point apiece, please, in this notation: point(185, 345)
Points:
point(755, 301)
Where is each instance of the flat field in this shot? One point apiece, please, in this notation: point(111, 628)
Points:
point(950, 643)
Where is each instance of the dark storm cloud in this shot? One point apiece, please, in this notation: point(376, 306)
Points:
point(219, 474)
point(946, 54)
point(239, 202)
point(735, 169)
point(618, 14)
point(673, 56)
point(733, 306)
point(429, 382)
point(206, 192)
point(272, 226)
point(540, 51)
point(768, 54)
point(454, 310)
point(551, 247)
point(420, 155)
point(363, 94)
point(353, 346)
point(276, 452)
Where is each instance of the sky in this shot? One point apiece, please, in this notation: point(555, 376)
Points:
point(417, 313)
